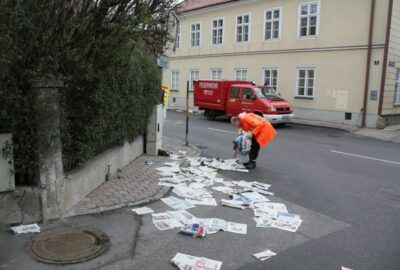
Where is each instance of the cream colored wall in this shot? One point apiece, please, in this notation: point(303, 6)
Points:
point(341, 24)
point(393, 55)
point(339, 76)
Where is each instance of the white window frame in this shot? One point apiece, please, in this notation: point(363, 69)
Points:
point(174, 80)
point(270, 70)
point(306, 96)
point(218, 70)
point(299, 17)
point(217, 28)
point(178, 37)
point(191, 79)
point(272, 21)
point(242, 25)
point(191, 32)
point(241, 69)
point(396, 101)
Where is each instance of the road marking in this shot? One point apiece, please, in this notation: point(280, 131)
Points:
point(221, 130)
point(365, 157)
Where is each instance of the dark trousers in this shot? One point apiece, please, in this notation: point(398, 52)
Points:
point(255, 148)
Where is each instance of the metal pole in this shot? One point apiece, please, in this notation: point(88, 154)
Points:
point(187, 114)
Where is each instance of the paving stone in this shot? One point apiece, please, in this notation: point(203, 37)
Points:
point(133, 183)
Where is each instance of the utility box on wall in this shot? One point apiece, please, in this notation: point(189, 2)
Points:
point(154, 131)
point(7, 181)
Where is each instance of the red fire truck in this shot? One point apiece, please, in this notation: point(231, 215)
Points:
point(220, 97)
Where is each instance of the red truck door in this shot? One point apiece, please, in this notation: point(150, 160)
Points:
point(233, 101)
point(247, 100)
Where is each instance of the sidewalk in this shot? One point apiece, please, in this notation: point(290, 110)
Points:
point(390, 133)
point(133, 185)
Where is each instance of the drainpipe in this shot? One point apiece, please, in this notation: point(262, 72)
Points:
point(368, 66)
point(385, 57)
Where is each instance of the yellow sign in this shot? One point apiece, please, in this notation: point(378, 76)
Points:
point(165, 88)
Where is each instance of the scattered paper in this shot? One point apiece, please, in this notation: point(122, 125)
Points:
point(188, 262)
point(143, 210)
point(183, 216)
point(264, 255)
point(195, 230)
point(30, 228)
point(164, 221)
point(218, 224)
point(203, 201)
point(223, 189)
point(237, 228)
point(176, 203)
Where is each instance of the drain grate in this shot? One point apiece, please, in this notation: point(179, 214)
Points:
point(68, 245)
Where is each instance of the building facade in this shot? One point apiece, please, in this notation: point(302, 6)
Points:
point(333, 60)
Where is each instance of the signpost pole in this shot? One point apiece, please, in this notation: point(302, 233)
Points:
point(187, 114)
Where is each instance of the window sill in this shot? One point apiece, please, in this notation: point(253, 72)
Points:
point(300, 97)
point(307, 37)
point(174, 90)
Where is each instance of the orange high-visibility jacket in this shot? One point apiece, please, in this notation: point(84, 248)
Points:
point(261, 128)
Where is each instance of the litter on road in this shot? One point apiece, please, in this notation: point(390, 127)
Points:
point(195, 230)
point(264, 255)
point(176, 203)
point(30, 228)
point(186, 262)
point(193, 179)
point(143, 210)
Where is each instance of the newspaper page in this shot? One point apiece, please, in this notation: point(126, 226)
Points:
point(264, 255)
point(238, 228)
point(177, 204)
point(143, 210)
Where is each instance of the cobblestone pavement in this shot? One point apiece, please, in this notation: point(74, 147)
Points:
point(134, 184)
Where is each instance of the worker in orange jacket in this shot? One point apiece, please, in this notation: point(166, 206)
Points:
point(262, 132)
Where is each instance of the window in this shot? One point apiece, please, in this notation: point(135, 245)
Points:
point(305, 82)
point(242, 28)
point(309, 19)
point(234, 92)
point(272, 24)
point(175, 80)
point(397, 89)
point(241, 74)
point(247, 93)
point(270, 77)
point(178, 37)
point(216, 74)
point(195, 29)
point(194, 75)
point(217, 32)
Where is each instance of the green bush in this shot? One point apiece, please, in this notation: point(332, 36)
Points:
point(103, 51)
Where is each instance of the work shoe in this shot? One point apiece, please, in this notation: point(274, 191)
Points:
point(251, 165)
point(246, 163)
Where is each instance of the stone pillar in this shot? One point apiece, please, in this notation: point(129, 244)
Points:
point(154, 131)
point(51, 177)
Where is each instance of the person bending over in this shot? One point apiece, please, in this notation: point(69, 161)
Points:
point(262, 132)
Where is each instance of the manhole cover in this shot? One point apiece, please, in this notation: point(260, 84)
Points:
point(68, 245)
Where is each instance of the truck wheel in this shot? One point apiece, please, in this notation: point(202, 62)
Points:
point(211, 116)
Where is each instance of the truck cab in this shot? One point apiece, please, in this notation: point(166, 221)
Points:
point(220, 97)
point(261, 100)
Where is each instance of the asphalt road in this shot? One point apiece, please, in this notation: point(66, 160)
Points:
point(353, 180)
point(346, 188)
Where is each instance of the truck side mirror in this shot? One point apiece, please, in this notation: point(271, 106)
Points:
point(253, 97)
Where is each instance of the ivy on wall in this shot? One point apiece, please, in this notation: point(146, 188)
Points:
point(103, 51)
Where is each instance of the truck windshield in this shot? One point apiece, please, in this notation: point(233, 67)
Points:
point(266, 92)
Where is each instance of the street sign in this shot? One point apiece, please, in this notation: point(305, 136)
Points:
point(162, 61)
point(373, 95)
